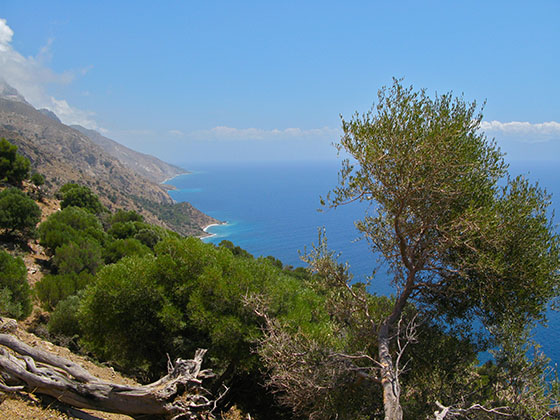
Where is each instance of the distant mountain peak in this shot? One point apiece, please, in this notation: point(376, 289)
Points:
point(8, 92)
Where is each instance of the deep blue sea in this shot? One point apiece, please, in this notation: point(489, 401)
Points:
point(273, 209)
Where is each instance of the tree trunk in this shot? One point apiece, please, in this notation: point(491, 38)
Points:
point(389, 377)
point(179, 394)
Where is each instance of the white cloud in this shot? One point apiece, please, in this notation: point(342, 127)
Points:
point(231, 133)
point(31, 75)
point(176, 133)
point(523, 131)
point(66, 113)
point(6, 35)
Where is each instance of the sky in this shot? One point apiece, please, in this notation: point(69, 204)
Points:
point(213, 81)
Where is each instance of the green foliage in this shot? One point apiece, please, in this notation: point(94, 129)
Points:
point(129, 224)
point(126, 216)
point(440, 220)
point(74, 195)
point(123, 230)
point(8, 306)
point(189, 295)
point(150, 236)
point(70, 225)
point(236, 250)
point(64, 319)
point(516, 251)
point(84, 254)
point(18, 212)
point(37, 179)
point(53, 288)
point(15, 298)
point(458, 246)
point(14, 168)
point(120, 315)
point(176, 215)
point(121, 248)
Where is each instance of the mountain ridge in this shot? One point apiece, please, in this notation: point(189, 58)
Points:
point(64, 154)
point(146, 165)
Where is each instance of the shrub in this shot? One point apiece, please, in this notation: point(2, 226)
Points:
point(121, 248)
point(64, 319)
point(120, 315)
point(15, 298)
point(123, 230)
point(84, 254)
point(70, 224)
point(126, 216)
point(37, 179)
point(74, 195)
point(18, 212)
point(53, 288)
point(14, 168)
point(149, 237)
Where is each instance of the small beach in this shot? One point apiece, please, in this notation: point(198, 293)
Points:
point(211, 235)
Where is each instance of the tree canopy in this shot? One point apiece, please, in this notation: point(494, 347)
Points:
point(460, 238)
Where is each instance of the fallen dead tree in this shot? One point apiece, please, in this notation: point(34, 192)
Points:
point(178, 395)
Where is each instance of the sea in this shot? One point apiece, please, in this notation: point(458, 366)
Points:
point(275, 209)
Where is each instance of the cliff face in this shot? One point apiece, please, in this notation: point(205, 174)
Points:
point(64, 154)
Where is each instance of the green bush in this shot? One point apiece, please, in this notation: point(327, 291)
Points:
point(74, 195)
point(149, 237)
point(120, 315)
point(64, 319)
point(37, 179)
point(126, 216)
point(14, 168)
point(15, 300)
point(84, 254)
point(53, 288)
point(70, 224)
point(121, 248)
point(123, 230)
point(190, 295)
point(18, 212)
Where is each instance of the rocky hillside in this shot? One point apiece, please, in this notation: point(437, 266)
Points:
point(148, 166)
point(64, 154)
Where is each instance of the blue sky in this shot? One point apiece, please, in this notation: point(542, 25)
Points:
point(213, 81)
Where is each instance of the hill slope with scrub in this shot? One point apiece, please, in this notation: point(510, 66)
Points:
point(63, 154)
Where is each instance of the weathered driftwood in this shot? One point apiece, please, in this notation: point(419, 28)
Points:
point(178, 395)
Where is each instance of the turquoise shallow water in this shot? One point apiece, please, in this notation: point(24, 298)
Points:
point(272, 209)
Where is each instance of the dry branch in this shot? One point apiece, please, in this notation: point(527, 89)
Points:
point(179, 394)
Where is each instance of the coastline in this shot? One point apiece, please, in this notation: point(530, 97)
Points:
point(166, 180)
point(171, 187)
point(210, 235)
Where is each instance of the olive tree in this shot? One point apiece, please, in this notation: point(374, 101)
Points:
point(460, 238)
